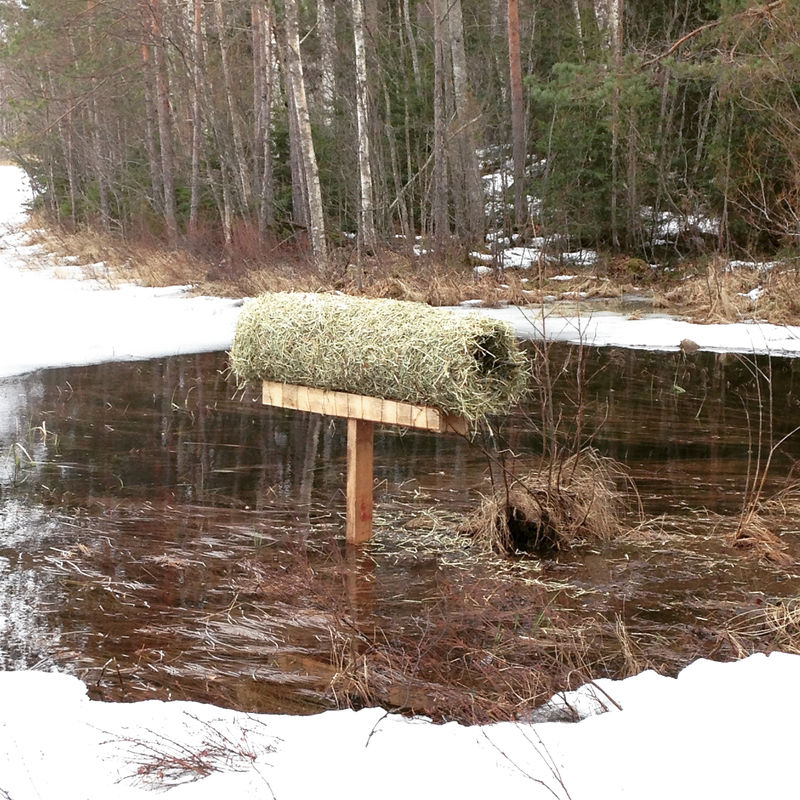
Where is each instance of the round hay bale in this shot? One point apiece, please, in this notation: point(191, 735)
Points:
point(411, 352)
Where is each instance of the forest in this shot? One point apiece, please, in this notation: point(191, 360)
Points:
point(248, 128)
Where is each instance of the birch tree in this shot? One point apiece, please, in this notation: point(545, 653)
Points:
point(305, 142)
point(366, 209)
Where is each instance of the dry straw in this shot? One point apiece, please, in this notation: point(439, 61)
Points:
point(548, 508)
point(461, 364)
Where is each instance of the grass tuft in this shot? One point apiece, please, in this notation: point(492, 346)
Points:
point(547, 509)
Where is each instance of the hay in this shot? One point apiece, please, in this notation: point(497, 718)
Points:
point(460, 364)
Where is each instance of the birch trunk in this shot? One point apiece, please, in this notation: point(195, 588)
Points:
point(326, 24)
point(97, 145)
point(576, 11)
point(265, 59)
point(412, 44)
point(366, 210)
point(316, 219)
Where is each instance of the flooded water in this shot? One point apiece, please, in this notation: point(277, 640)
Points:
point(161, 538)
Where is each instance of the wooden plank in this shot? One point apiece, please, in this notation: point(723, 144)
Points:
point(357, 406)
point(359, 480)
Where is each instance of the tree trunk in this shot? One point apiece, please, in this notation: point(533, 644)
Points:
point(615, 11)
point(265, 66)
point(412, 44)
point(316, 219)
point(576, 11)
point(517, 115)
point(326, 24)
point(441, 221)
point(236, 128)
point(164, 124)
point(467, 117)
point(150, 126)
point(197, 117)
point(366, 210)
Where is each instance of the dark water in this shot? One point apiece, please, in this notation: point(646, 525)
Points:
point(161, 539)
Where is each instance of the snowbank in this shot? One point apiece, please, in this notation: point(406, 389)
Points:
point(652, 332)
point(50, 321)
point(718, 730)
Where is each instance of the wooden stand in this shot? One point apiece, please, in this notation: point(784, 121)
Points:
point(361, 412)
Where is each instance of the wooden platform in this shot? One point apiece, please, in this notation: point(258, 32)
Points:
point(361, 412)
point(359, 406)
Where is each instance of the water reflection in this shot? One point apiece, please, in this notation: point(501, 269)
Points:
point(161, 538)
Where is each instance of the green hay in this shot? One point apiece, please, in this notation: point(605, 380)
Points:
point(460, 364)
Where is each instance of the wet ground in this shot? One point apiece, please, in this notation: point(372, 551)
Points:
point(161, 538)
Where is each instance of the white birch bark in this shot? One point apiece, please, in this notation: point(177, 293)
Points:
point(264, 64)
point(367, 212)
point(326, 24)
point(576, 11)
point(316, 218)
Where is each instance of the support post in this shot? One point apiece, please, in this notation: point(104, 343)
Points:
point(359, 480)
point(361, 412)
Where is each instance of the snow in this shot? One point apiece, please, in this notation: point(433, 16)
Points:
point(718, 730)
point(762, 266)
point(667, 224)
point(54, 318)
point(653, 332)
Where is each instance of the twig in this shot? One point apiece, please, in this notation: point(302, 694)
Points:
point(748, 12)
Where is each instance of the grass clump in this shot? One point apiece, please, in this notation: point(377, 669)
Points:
point(460, 364)
point(547, 509)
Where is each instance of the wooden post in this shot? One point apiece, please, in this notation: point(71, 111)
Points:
point(359, 480)
point(361, 412)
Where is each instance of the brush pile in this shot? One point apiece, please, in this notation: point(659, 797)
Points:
point(460, 364)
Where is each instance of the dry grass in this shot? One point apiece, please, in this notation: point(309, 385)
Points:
point(251, 269)
point(547, 509)
point(467, 365)
point(753, 535)
point(482, 651)
point(754, 530)
point(720, 294)
point(776, 626)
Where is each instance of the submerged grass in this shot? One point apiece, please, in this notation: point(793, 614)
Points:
point(465, 365)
